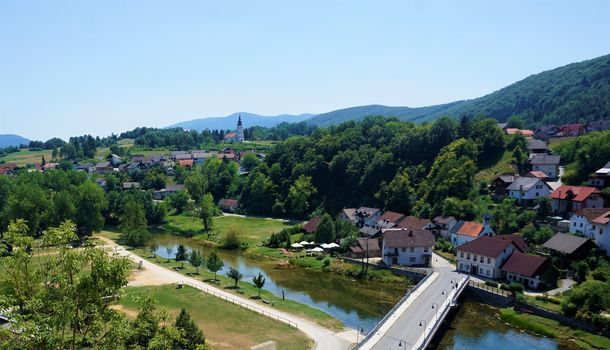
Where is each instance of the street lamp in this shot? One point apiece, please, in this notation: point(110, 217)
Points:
point(425, 325)
point(436, 313)
point(445, 294)
point(358, 333)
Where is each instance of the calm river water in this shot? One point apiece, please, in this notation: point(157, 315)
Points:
point(363, 304)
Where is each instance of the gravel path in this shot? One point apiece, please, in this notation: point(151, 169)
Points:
point(153, 274)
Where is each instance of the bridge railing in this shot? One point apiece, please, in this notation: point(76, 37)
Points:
point(241, 304)
point(389, 314)
point(491, 289)
point(428, 335)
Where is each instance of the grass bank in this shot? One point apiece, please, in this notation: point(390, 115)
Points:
point(247, 289)
point(554, 329)
point(225, 325)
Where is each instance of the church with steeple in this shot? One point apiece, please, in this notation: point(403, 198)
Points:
point(237, 135)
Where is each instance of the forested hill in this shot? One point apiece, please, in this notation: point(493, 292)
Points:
point(578, 92)
point(358, 113)
point(7, 140)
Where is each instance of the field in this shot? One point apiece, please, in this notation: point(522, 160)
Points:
point(225, 325)
point(25, 156)
point(254, 230)
point(502, 165)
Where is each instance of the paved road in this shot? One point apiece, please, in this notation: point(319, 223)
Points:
point(403, 330)
point(324, 338)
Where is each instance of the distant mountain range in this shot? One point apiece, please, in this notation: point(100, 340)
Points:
point(578, 92)
point(7, 140)
point(249, 119)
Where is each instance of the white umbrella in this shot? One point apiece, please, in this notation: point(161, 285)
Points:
point(296, 245)
point(325, 246)
point(333, 245)
point(317, 250)
point(304, 243)
point(312, 243)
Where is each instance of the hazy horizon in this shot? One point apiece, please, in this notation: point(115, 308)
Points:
point(72, 68)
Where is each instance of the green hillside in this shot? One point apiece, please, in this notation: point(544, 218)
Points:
point(578, 92)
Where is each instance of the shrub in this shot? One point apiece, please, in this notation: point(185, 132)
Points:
point(515, 287)
point(492, 284)
point(326, 262)
point(319, 257)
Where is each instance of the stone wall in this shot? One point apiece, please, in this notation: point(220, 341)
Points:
point(416, 274)
point(488, 296)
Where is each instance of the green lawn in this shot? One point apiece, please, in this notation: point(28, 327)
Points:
point(497, 167)
point(554, 329)
point(225, 325)
point(545, 304)
point(254, 230)
point(25, 156)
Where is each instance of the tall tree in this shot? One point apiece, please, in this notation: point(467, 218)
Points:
point(299, 195)
point(196, 259)
point(190, 334)
point(133, 224)
point(259, 282)
point(90, 203)
point(181, 254)
point(234, 274)
point(206, 212)
point(214, 263)
point(325, 232)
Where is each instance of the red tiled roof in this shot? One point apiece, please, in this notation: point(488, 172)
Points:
point(413, 223)
point(230, 135)
point(523, 264)
point(524, 132)
point(312, 224)
point(408, 238)
point(470, 228)
point(486, 246)
point(603, 219)
point(538, 174)
point(227, 202)
point(581, 193)
point(516, 239)
point(571, 127)
point(592, 213)
point(186, 162)
point(391, 216)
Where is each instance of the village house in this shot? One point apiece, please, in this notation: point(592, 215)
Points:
point(526, 190)
point(166, 192)
point(415, 223)
point(407, 247)
point(537, 174)
point(187, 163)
point(601, 178)
point(103, 168)
point(569, 247)
point(366, 216)
point(389, 219)
point(442, 225)
point(348, 214)
point(599, 125)
point(602, 231)
point(100, 181)
point(312, 225)
point(184, 156)
point(536, 146)
point(174, 154)
point(199, 157)
point(499, 185)
point(130, 185)
point(526, 133)
point(569, 199)
point(228, 205)
point(581, 222)
point(484, 256)
point(572, 130)
point(532, 271)
point(466, 231)
point(114, 160)
point(546, 163)
point(365, 247)
point(545, 132)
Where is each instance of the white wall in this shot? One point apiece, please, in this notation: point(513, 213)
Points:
point(406, 255)
point(580, 225)
point(550, 170)
point(602, 237)
point(489, 267)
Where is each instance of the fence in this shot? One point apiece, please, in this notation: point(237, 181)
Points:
point(490, 289)
point(382, 321)
point(242, 304)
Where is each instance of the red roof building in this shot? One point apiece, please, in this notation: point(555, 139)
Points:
point(389, 219)
point(312, 224)
point(569, 199)
point(529, 270)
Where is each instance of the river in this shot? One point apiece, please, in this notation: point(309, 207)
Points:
point(360, 305)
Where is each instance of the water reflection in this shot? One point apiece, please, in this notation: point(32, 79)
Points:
point(356, 304)
point(477, 326)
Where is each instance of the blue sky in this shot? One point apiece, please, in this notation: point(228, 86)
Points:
point(75, 67)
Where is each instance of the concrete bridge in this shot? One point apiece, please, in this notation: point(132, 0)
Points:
point(412, 323)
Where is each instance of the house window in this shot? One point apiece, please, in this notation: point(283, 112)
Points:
point(412, 249)
point(404, 249)
point(425, 249)
point(488, 272)
point(481, 259)
point(581, 224)
point(467, 256)
point(474, 257)
point(462, 255)
point(489, 260)
point(574, 223)
point(412, 259)
point(461, 266)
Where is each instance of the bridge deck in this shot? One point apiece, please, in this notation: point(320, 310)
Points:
point(412, 322)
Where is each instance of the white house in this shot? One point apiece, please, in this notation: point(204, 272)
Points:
point(602, 231)
point(546, 163)
point(582, 223)
point(527, 189)
point(366, 216)
point(484, 256)
point(407, 247)
point(529, 270)
point(443, 224)
point(466, 231)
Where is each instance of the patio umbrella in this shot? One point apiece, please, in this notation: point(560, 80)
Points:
point(317, 250)
point(296, 245)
